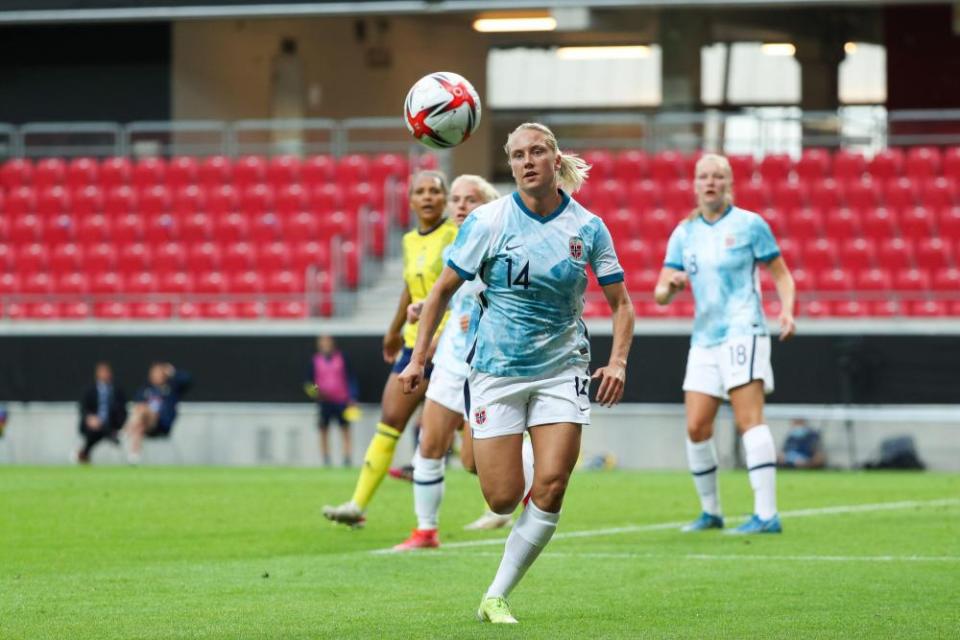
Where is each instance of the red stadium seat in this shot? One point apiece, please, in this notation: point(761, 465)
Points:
point(151, 310)
point(668, 167)
point(884, 308)
point(776, 220)
point(140, 283)
point(251, 310)
point(814, 165)
point(32, 257)
point(933, 253)
point(636, 255)
point(858, 253)
point(154, 200)
point(743, 168)
point(16, 172)
point(74, 283)
point(53, 201)
point(353, 168)
point(886, 164)
point(75, 310)
point(37, 283)
point(239, 256)
point(189, 199)
point(10, 283)
point(42, 311)
point(182, 171)
point(87, 200)
point(842, 224)
point(790, 196)
point(256, 199)
point(911, 280)
point(879, 223)
point(900, 193)
point(284, 282)
point(631, 166)
point(66, 257)
point(339, 223)
point(602, 164)
point(805, 224)
point(643, 195)
point(752, 196)
point(112, 310)
point(21, 201)
point(813, 309)
point(82, 172)
point(134, 257)
point(288, 310)
point(197, 227)
point(215, 171)
point(169, 256)
point(291, 200)
point(6, 258)
point(862, 194)
point(275, 256)
point(203, 256)
point(370, 196)
point(849, 309)
point(948, 222)
point(232, 227)
point(330, 197)
point(826, 194)
point(219, 310)
point(926, 308)
point(176, 282)
point(120, 200)
point(26, 228)
point(916, 222)
point(266, 227)
point(623, 225)
point(148, 172)
point(350, 253)
point(223, 200)
point(874, 280)
point(848, 166)
point(938, 192)
point(922, 162)
point(947, 279)
point(776, 168)
point(307, 254)
point(388, 165)
point(187, 311)
point(246, 282)
point(951, 163)
point(162, 228)
point(115, 172)
point(376, 225)
point(820, 254)
point(658, 224)
point(320, 170)
point(834, 280)
point(62, 228)
point(106, 283)
point(129, 228)
point(49, 172)
point(211, 282)
point(100, 257)
point(678, 197)
point(895, 254)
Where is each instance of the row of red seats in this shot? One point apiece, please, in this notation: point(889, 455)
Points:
point(171, 256)
point(80, 310)
point(144, 282)
point(211, 171)
point(803, 224)
point(917, 307)
point(219, 200)
point(821, 253)
point(668, 166)
point(754, 195)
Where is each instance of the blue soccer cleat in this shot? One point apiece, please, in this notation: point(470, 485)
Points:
point(756, 525)
point(704, 522)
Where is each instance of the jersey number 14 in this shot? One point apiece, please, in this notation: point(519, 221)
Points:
point(522, 279)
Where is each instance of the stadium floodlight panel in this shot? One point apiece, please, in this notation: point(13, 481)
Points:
point(850, 48)
point(619, 52)
point(504, 25)
point(778, 49)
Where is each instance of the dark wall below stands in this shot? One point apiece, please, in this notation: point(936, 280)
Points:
point(105, 72)
point(810, 369)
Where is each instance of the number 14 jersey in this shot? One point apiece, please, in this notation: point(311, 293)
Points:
point(535, 271)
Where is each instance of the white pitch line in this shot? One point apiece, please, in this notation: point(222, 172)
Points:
point(703, 556)
point(798, 513)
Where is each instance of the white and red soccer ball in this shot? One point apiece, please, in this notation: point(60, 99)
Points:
point(442, 110)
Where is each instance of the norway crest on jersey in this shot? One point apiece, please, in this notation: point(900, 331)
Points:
point(480, 416)
point(576, 248)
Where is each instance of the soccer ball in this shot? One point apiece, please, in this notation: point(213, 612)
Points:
point(442, 110)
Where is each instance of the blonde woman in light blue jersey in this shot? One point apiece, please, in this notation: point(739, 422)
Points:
point(717, 251)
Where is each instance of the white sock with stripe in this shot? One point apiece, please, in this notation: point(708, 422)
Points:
point(761, 455)
point(531, 533)
point(702, 458)
point(427, 490)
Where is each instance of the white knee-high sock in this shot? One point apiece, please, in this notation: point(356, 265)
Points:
point(529, 536)
point(761, 455)
point(427, 490)
point(702, 457)
point(526, 452)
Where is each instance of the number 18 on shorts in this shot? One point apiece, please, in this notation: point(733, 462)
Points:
point(717, 369)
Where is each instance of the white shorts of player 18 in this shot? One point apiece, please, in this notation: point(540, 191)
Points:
point(717, 369)
point(446, 389)
point(502, 406)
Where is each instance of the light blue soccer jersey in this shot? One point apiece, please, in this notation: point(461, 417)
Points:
point(721, 261)
point(454, 342)
point(535, 271)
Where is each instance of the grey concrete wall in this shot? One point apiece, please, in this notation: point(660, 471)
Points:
point(636, 436)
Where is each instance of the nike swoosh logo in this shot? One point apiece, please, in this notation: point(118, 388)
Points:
point(516, 246)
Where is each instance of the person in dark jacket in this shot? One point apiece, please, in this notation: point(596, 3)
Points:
point(156, 406)
point(103, 411)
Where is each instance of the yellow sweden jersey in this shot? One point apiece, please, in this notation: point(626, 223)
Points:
point(422, 264)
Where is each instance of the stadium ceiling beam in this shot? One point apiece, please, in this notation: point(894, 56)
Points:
point(103, 11)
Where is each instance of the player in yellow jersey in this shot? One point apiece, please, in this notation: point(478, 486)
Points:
point(422, 263)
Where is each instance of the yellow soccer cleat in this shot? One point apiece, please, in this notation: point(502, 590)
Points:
point(495, 610)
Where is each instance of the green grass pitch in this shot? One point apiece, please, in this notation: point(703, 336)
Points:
point(244, 553)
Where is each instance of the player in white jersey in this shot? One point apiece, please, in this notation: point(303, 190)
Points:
point(716, 251)
point(528, 362)
point(444, 410)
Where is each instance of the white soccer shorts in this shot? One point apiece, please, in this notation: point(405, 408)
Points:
point(446, 389)
point(501, 406)
point(718, 369)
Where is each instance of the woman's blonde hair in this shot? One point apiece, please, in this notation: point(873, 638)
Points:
point(724, 164)
point(488, 192)
point(429, 173)
point(574, 170)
